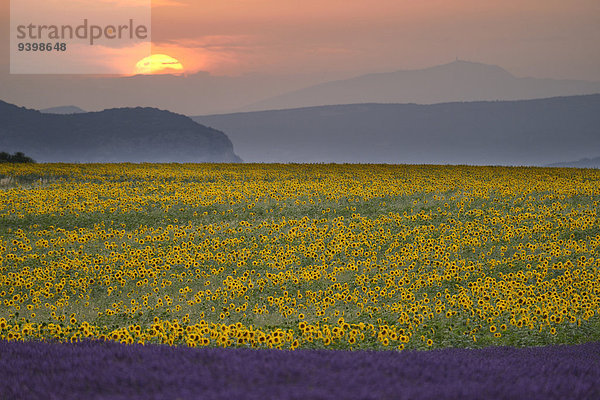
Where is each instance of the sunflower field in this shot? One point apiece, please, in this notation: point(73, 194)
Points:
point(300, 256)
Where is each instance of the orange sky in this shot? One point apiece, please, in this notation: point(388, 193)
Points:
point(542, 38)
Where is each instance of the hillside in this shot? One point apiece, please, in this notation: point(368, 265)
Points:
point(528, 132)
point(115, 135)
point(455, 81)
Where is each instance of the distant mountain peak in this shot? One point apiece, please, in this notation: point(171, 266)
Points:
point(63, 110)
point(458, 80)
point(469, 66)
point(585, 162)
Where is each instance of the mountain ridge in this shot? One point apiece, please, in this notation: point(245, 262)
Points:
point(523, 132)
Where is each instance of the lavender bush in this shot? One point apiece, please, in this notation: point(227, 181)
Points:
point(106, 370)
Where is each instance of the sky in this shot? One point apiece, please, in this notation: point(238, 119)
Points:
point(539, 38)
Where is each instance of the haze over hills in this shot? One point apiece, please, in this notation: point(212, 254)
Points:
point(114, 135)
point(203, 93)
point(199, 93)
point(525, 132)
point(455, 81)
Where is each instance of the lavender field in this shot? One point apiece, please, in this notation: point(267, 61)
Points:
point(108, 370)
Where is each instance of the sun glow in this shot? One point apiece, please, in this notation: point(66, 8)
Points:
point(158, 64)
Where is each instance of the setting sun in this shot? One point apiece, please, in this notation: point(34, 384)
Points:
point(158, 64)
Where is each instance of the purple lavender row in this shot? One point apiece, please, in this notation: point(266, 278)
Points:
point(106, 370)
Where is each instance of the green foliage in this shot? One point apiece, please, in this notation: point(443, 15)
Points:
point(18, 157)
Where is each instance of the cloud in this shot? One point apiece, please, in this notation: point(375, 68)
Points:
point(213, 42)
point(168, 3)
